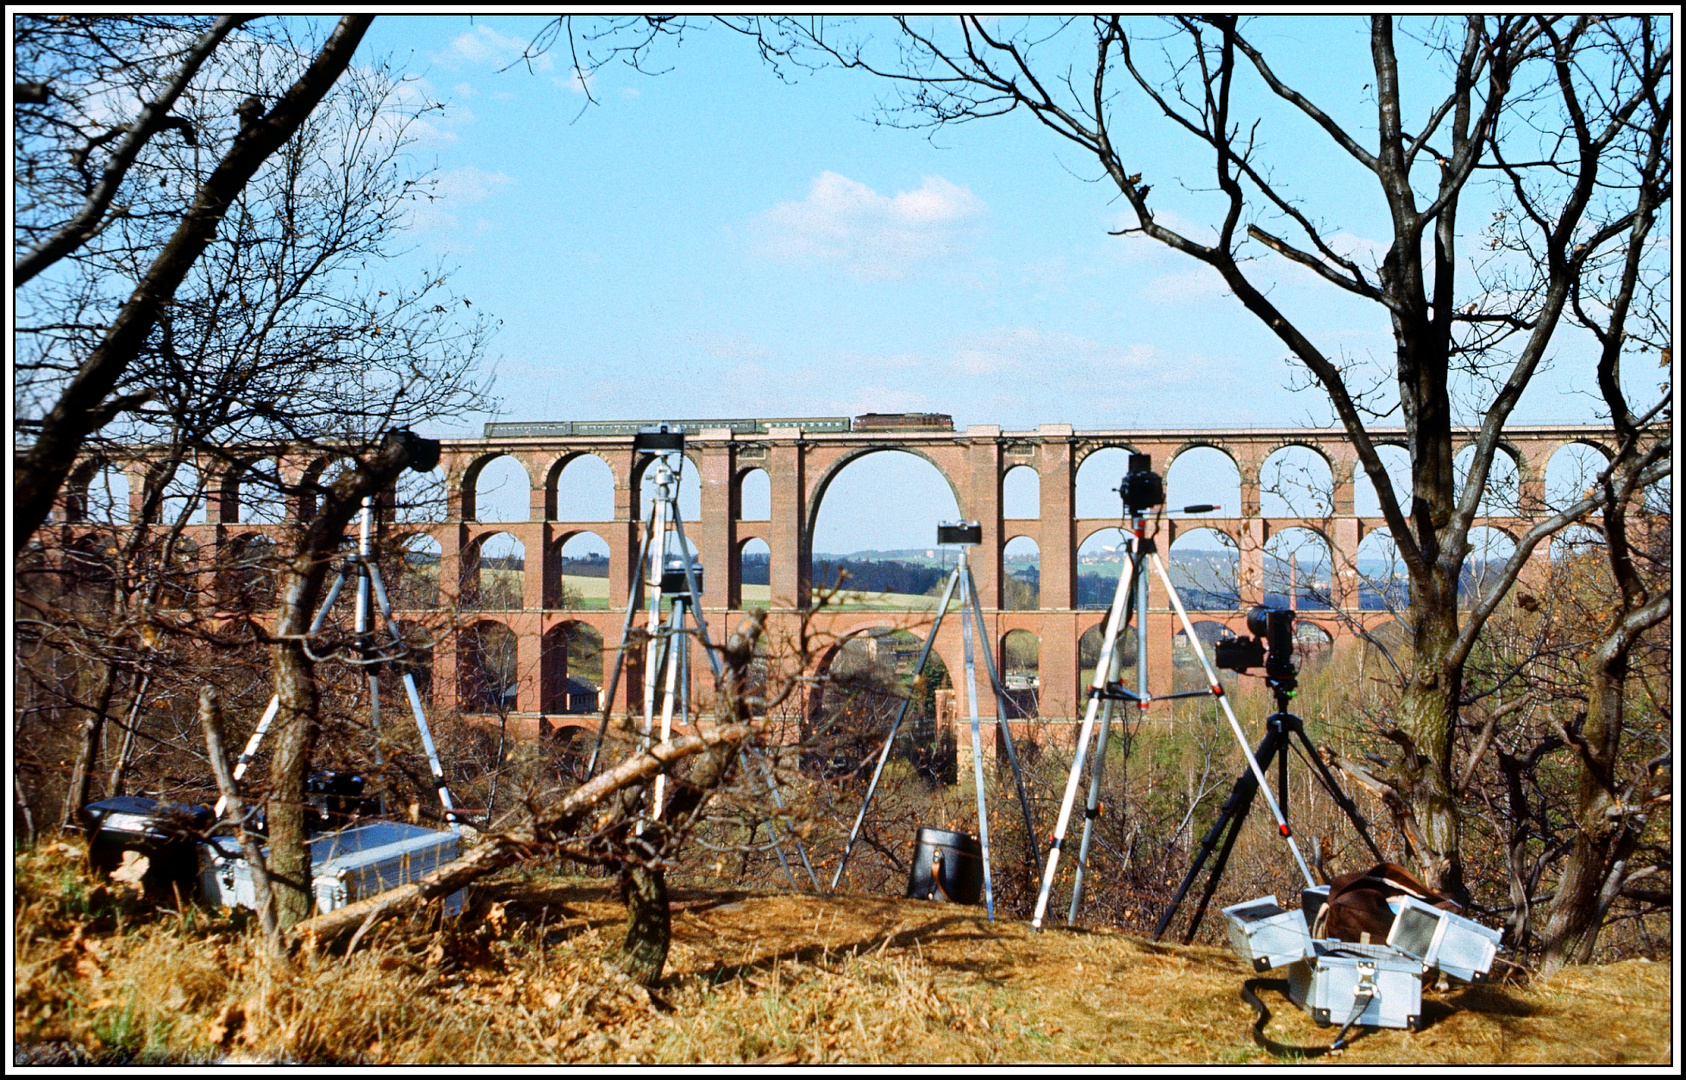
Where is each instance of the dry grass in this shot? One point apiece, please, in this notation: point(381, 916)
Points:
point(752, 978)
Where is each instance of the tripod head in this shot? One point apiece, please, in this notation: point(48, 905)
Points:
point(1271, 647)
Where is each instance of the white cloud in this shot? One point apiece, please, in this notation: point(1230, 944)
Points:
point(575, 83)
point(456, 189)
point(470, 184)
point(871, 235)
point(1197, 283)
point(482, 46)
point(1028, 351)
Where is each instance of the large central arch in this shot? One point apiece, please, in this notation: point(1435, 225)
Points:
point(897, 509)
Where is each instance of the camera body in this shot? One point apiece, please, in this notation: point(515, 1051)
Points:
point(1271, 647)
point(1142, 488)
point(959, 533)
point(423, 453)
point(659, 440)
point(673, 577)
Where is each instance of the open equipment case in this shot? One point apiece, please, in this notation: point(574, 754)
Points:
point(1370, 984)
point(349, 865)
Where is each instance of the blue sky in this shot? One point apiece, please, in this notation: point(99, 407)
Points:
point(712, 241)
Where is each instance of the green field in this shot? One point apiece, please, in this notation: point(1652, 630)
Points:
point(593, 592)
point(850, 600)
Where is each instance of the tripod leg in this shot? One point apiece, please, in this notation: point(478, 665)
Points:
point(620, 659)
point(415, 700)
point(1229, 713)
point(673, 658)
point(1091, 810)
point(252, 745)
point(328, 603)
point(696, 597)
point(1341, 797)
point(773, 828)
point(268, 717)
point(1274, 744)
point(693, 609)
point(1217, 871)
point(653, 601)
point(1281, 779)
point(375, 728)
point(890, 740)
point(1001, 720)
point(1233, 810)
point(977, 740)
point(1109, 643)
point(427, 745)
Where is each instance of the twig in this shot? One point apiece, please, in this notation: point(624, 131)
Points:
point(210, 719)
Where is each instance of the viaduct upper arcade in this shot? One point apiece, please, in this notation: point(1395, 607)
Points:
point(801, 457)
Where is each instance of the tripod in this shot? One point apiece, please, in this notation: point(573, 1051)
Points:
point(961, 576)
point(362, 564)
point(1281, 729)
point(1133, 585)
point(678, 579)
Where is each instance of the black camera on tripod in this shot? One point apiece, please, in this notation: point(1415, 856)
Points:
point(1142, 488)
point(1271, 647)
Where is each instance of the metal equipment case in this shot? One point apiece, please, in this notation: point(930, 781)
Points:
point(1329, 984)
point(161, 831)
point(1458, 946)
point(346, 866)
point(1266, 935)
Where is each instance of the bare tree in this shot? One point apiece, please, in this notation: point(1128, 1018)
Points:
point(1551, 120)
point(1624, 302)
point(280, 351)
point(79, 392)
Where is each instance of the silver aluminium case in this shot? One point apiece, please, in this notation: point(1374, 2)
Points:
point(1462, 948)
point(346, 866)
point(1265, 935)
point(1329, 984)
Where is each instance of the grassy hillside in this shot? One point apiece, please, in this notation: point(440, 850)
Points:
point(751, 978)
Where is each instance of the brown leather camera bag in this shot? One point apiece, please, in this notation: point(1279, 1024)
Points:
point(1357, 907)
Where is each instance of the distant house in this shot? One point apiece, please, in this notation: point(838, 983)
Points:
point(579, 697)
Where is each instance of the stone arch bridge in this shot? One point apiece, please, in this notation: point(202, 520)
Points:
point(799, 458)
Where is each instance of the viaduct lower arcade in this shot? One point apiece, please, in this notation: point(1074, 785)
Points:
point(800, 458)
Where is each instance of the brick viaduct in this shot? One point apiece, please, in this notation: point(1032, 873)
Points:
point(802, 456)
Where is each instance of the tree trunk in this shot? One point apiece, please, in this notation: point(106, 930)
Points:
point(648, 927)
point(296, 729)
point(295, 676)
point(1428, 716)
point(1604, 833)
point(87, 750)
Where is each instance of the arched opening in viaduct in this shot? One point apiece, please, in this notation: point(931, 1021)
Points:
point(875, 519)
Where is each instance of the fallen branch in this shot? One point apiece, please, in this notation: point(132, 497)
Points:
point(497, 852)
